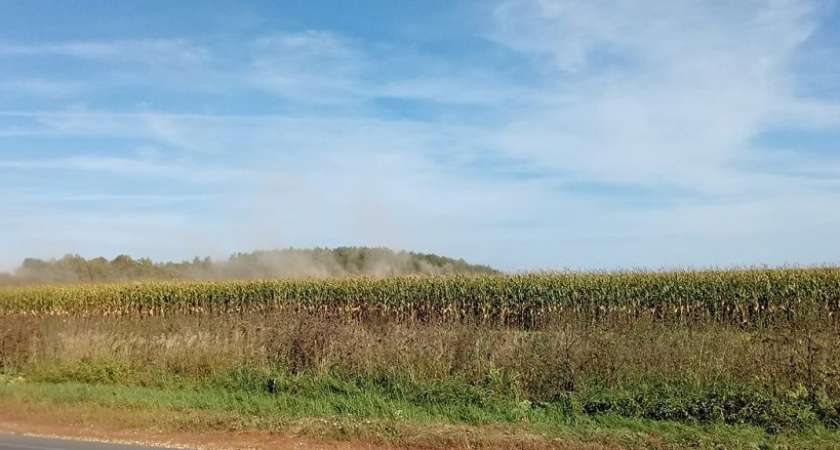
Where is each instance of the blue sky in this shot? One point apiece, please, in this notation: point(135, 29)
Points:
point(544, 134)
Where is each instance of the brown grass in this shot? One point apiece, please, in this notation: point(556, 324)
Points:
point(536, 364)
point(17, 336)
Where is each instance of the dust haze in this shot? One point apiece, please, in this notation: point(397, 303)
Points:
point(285, 263)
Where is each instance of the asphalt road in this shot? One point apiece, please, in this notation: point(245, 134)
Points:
point(18, 442)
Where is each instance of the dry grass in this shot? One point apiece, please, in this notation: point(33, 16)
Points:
point(17, 335)
point(537, 366)
point(534, 364)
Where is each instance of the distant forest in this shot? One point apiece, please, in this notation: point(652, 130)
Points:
point(285, 263)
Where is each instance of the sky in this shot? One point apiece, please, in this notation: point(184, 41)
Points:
point(523, 134)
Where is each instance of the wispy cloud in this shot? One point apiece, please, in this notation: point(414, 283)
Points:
point(149, 52)
point(41, 87)
point(457, 89)
point(313, 66)
point(668, 94)
point(624, 136)
point(183, 170)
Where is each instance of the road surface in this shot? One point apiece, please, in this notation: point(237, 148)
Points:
point(19, 442)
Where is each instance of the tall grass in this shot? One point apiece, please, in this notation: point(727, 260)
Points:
point(647, 369)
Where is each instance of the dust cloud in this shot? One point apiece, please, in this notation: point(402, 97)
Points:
point(285, 263)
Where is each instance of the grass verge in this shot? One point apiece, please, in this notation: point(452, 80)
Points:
point(327, 410)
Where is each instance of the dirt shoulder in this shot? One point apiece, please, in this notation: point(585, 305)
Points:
point(93, 424)
point(217, 431)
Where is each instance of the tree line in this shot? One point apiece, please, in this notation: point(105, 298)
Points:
point(280, 263)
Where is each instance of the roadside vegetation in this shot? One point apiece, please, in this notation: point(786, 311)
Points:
point(714, 359)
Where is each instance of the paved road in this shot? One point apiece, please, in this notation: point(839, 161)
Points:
point(17, 442)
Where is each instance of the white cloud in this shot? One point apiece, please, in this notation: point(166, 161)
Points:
point(313, 67)
point(40, 87)
point(149, 52)
point(142, 167)
point(456, 89)
point(668, 94)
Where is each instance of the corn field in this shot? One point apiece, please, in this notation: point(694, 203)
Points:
point(740, 297)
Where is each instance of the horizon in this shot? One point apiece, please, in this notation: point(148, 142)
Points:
point(523, 135)
point(559, 270)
